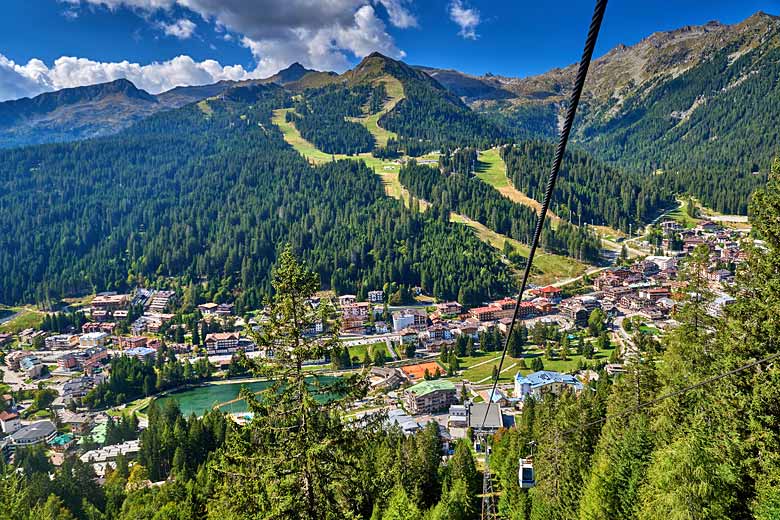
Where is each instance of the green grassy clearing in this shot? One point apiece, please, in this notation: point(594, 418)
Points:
point(680, 216)
point(512, 365)
point(548, 268)
point(359, 351)
point(205, 107)
point(395, 92)
point(25, 318)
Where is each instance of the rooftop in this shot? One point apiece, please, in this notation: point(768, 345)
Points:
point(7, 416)
point(477, 416)
point(35, 430)
point(427, 387)
point(546, 377)
point(140, 351)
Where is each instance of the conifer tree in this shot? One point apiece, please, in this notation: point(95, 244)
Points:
point(283, 463)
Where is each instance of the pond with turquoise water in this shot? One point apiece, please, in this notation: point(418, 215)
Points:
point(201, 399)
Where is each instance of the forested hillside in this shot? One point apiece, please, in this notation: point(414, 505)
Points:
point(320, 117)
point(210, 191)
point(696, 102)
point(710, 123)
point(478, 201)
point(709, 452)
point(588, 191)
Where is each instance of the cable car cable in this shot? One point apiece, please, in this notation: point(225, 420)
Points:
point(582, 72)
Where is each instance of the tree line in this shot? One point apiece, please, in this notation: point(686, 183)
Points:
point(185, 196)
point(479, 201)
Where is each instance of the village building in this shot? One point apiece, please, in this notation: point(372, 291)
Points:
point(141, 353)
point(484, 418)
point(489, 313)
point(449, 308)
point(31, 366)
point(159, 301)
point(550, 292)
point(410, 318)
point(216, 309)
point(63, 443)
point(347, 299)
point(376, 296)
point(354, 316)
point(537, 384)
point(401, 419)
point(717, 306)
point(67, 362)
point(77, 387)
point(39, 432)
point(126, 342)
point(13, 359)
point(61, 341)
point(654, 294)
point(109, 302)
point(9, 422)
point(458, 416)
point(386, 378)
point(222, 342)
point(92, 326)
point(93, 339)
point(429, 396)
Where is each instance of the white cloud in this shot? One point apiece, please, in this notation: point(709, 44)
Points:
point(467, 19)
point(36, 77)
point(181, 29)
point(321, 34)
point(398, 13)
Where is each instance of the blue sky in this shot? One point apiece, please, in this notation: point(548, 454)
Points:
point(50, 44)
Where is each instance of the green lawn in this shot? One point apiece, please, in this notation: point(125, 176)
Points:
point(492, 169)
point(679, 215)
point(25, 319)
point(359, 351)
point(511, 366)
point(645, 329)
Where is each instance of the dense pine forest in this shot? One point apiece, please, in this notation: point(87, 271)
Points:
point(711, 152)
point(588, 191)
point(320, 117)
point(467, 195)
point(209, 191)
point(430, 113)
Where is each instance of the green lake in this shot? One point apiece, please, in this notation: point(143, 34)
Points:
point(201, 399)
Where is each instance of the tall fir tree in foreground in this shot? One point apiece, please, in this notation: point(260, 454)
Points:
point(298, 458)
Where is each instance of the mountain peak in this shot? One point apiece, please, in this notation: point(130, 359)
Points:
point(291, 74)
point(376, 65)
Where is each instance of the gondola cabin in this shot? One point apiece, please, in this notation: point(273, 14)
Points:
point(526, 473)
